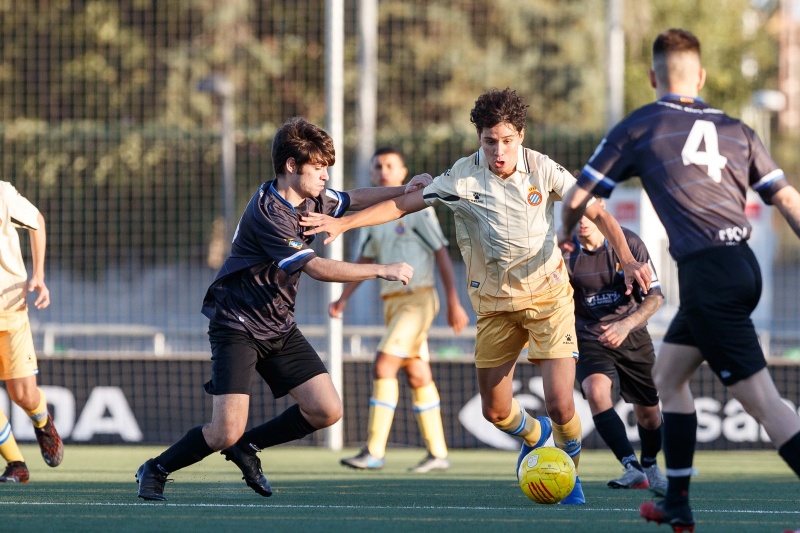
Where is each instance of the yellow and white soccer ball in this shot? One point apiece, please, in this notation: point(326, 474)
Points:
point(547, 475)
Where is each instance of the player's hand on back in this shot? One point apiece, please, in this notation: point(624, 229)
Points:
point(397, 272)
point(420, 181)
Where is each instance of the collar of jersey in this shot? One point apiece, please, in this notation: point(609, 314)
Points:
point(581, 249)
point(673, 96)
point(522, 161)
point(273, 191)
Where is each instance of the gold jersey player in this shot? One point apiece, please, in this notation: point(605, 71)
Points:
point(18, 365)
point(502, 198)
point(408, 312)
point(696, 164)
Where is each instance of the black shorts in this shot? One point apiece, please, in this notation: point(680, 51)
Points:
point(719, 289)
point(284, 363)
point(631, 364)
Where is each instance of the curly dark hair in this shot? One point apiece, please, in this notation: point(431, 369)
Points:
point(304, 141)
point(496, 107)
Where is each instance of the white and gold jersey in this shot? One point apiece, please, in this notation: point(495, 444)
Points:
point(16, 213)
point(413, 239)
point(505, 228)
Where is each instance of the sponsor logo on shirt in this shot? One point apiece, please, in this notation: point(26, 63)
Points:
point(568, 339)
point(400, 228)
point(733, 235)
point(474, 284)
point(534, 197)
point(476, 197)
point(295, 244)
point(601, 299)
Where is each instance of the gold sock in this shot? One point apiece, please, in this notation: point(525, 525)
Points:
point(520, 424)
point(568, 438)
point(8, 444)
point(427, 410)
point(39, 414)
point(381, 413)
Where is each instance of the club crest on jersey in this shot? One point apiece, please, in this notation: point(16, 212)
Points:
point(534, 197)
point(295, 244)
point(399, 228)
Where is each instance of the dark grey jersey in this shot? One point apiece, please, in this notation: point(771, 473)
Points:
point(599, 283)
point(695, 163)
point(256, 288)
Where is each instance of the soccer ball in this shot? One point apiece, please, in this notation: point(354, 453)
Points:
point(547, 475)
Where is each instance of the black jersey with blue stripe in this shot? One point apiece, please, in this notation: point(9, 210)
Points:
point(695, 163)
point(599, 284)
point(256, 288)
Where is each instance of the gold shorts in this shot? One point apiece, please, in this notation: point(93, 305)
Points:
point(17, 356)
point(547, 328)
point(408, 317)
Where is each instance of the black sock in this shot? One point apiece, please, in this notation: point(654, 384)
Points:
point(790, 451)
point(680, 439)
point(612, 430)
point(288, 426)
point(191, 449)
point(651, 444)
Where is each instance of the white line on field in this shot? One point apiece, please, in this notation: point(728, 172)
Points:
point(571, 508)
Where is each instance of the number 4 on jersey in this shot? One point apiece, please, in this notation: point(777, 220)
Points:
point(704, 131)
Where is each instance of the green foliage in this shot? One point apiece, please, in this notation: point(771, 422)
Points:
point(103, 126)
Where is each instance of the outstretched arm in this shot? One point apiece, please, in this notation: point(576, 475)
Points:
point(38, 247)
point(377, 214)
point(367, 197)
point(323, 269)
point(456, 315)
point(572, 209)
point(336, 309)
point(787, 200)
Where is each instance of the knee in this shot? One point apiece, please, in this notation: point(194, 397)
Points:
point(325, 415)
point(219, 438)
point(493, 414)
point(650, 418)
point(560, 410)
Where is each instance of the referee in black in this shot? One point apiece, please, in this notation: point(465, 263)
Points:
point(696, 164)
point(250, 306)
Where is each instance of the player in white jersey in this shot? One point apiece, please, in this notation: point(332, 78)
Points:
point(408, 312)
point(502, 197)
point(18, 365)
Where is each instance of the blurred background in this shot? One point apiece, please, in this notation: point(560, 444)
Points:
point(141, 129)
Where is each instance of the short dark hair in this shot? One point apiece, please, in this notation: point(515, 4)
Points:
point(496, 107)
point(675, 40)
point(384, 150)
point(305, 142)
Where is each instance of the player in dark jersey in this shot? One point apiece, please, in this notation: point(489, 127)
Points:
point(695, 163)
point(250, 306)
point(614, 345)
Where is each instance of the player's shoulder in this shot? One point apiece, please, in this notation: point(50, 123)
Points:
point(466, 166)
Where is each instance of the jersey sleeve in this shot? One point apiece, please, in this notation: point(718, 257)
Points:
point(22, 212)
point(335, 203)
point(555, 177)
point(368, 243)
point(426, 228)
point(442, 190)
point(766, 178)
point(608, 165)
